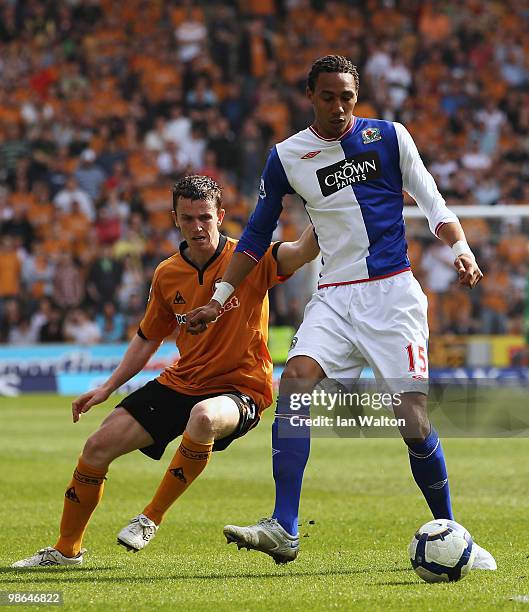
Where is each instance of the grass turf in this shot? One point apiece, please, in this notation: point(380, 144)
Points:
point(359, 493)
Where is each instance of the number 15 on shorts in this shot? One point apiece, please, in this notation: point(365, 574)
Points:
point(417, 359)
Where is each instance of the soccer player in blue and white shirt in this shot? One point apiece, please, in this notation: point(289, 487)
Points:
point(369, 309)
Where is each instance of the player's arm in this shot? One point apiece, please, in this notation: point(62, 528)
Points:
point(293, 255)
point(444, 224)
point(452, 235)
point(253, 244)
point(158, 323)
point(136, 358)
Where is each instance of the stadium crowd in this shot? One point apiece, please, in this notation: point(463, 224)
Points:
point(104, 104)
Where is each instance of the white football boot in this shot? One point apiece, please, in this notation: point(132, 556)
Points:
point(266, 536)
point(138, 533)
point(50, 556)
point(483, 559)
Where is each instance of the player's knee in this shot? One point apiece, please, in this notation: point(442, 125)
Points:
point(413, 410)
point(302, 369)
point(97, 451)
point(201, 422)
point(418, 437)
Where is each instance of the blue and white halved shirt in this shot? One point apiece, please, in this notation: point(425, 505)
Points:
point(352, 191)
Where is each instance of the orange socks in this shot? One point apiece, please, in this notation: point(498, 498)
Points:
point(86, 489)
point(189, 461)
point(80, 500)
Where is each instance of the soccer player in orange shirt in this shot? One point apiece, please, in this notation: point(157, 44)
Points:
point(212, 395)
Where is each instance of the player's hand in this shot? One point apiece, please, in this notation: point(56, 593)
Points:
point(197, 320)
point(468, 271)
point(84, 402)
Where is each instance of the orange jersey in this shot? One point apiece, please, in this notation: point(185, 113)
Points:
point(232, 354)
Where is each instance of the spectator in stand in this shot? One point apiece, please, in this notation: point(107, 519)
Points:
point(107, 225)
point(41, 315)
point(71, 193)
point(38, 272)
point(132, 281)
point(69, 282)
point(156, 137)
point(210, 167)
point(190, 35)
point(14, 147)
point(222, 141)
point(19, 226)
point(6, 209)
point(111, 324)
point(250, 156)
point(80, 328)
point(134, 313)
point(10, 315)
point(43, 151)
point(10, 270)
point(52, 331)
point(178, 128)
point(22, 333)
point(172, 160)
point(475, 160)
point(90, 175)
point(104, 278)
point(57, 174)
point(196, 148)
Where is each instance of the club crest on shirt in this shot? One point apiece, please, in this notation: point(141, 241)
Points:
point(371, 134)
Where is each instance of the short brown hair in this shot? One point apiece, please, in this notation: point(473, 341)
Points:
point(197, 187)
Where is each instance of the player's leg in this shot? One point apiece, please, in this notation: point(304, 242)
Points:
point(391, 316)
point(428, 464)
point(322, 346)
point(119, 434)
point(393, 334)
point(291, 444)
point(209, 420)
point(211, 424)
point(425, 451)
point(317, 351)
point(278, 536)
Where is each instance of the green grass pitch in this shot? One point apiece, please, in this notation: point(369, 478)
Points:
point(358, 492)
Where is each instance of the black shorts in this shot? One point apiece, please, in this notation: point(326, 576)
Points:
point(164, 413)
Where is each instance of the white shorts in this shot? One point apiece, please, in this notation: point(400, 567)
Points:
point(382, 324)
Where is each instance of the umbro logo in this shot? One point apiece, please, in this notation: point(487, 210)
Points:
point(179, 473)
point(438, 485)
point(72, 495)
point(179, 298)
point(311, 154)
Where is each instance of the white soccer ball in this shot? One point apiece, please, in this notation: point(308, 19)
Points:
point(442, 551)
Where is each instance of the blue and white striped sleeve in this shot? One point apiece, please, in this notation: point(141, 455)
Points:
point(257, 235)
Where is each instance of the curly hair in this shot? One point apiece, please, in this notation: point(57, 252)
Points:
point(197, 187)
point(332, 63)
